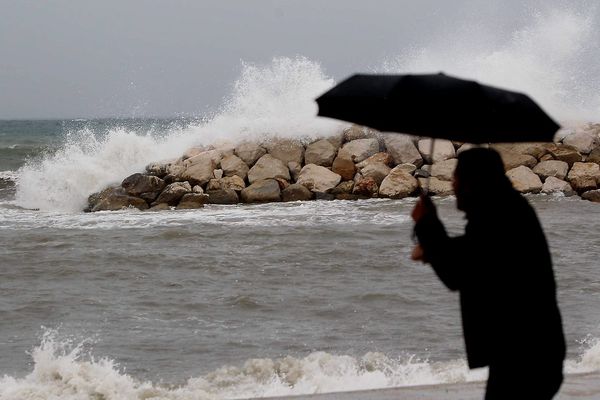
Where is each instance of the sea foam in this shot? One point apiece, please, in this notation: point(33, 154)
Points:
point(62, 369)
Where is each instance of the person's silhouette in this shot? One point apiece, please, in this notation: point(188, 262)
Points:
point(502, 269)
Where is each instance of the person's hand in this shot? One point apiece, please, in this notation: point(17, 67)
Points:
point(423, 207)
point(418, 254)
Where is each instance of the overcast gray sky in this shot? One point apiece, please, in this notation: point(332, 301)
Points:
point(66, 59)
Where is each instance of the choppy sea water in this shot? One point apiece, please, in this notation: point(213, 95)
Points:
point(246, 300)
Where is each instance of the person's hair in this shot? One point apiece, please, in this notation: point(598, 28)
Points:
point(482, 170)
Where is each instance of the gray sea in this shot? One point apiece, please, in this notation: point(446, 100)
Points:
point(231, 301)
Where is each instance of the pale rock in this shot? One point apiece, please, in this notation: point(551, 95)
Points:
point(555, 185)
point(192, 152)
point(442, 150)
point(222, 196)
point(583, 141)
point(286, 150)
point(584, 176)
point(377, 171)
point(218, 173)
point(233, 165)
point(398, 184)
point(444, 170)
point(191, 201)
point(534, 149)
point(524, 180)
point(213, 155)
point(249, 153)
point(436, 187)
point(360, 149)
point(317, 178)
point(355, 132)
point(336, 140)
point(408, 168)
point(513, 160)
point(321, 152)
point(173, 193)
point(198, 189)
point(262, 191)
point(402, 149)
point(233, 182)
point(296, 192)
point(268, 167)
point(555, 168)
point(157, 169)
point(199, 172)
point(175, 169)
point(565, 153)
point(381, 157)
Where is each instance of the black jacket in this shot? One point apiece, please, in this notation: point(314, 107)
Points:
point(502, 269)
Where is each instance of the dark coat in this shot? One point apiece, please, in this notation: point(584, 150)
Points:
point(502, 269)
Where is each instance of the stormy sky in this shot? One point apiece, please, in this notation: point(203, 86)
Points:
point(67, 59)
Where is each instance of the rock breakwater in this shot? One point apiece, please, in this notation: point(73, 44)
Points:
point(357, 163)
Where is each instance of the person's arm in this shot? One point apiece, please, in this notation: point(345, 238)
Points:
point(438, 249)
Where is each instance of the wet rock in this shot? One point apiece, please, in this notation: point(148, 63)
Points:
point(157, 169)
point(377, 171)
point(296, 192)
point(402, 149)
point(191, 201)
point(592, 195)
point(436, 187)
point(524, 180)
point(160, 207)
point(262, 192)
point(442, 150)
point(321, 152)
point(268, 167)
point(324, 196)
point(137, 184)
point(349, 196)
point(582, 141)
point(584, 177)
point(286, 150)
point(222, 196)
point(249, 153)
point(192, 152)
point(343, 187)
point(381, 158)
point(233, 165)
point(555, 185)
point(360, 149)
point(173, 193)
point(317, 178)
point(344, 166)
point(113, 199)
point(555, 168)
point(366, 186)
point(398, 184)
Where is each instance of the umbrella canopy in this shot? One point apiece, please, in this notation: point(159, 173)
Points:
point(438, 106)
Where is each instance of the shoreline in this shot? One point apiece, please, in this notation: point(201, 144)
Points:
point(575, 386)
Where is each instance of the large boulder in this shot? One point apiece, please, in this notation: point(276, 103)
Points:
point(437, 187)
point(262, 192)
point(584, 176)
point(355, 132)
point(512, 160)
point(173, 193)
point(555, 168)
point(402, 149)
point(191, 201)
point(592, 195)
point(398, 184)
point(365, 186)
point(381, 158)
point(138, 184)
point(214, 155)
point(377, 171)
point(534, 149)
point(444, 170)
point(296, 192)
point(583, 141)
point(344, 166)
point(360, 149)
point(233, 165)
point(222, 196)
point(286, 150)
point(442, 150)
point(268, 167)
point(113, 199)
point(249, 152)
point(321, 152)
point(317, 178)
point(555, 185)
point(524, 180)
point(199, 169)
point(566, 153)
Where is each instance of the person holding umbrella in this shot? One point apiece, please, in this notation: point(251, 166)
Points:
point(502, 269)
point(501, 266)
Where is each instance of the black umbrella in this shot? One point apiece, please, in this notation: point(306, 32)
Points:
point(438, 106)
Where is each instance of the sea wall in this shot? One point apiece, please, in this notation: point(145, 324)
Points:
point(357, 163)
